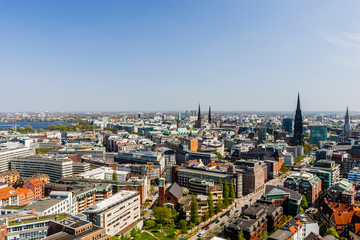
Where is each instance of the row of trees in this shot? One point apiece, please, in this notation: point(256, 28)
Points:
point(226, 201)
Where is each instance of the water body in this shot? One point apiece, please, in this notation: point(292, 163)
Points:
point(35, 125)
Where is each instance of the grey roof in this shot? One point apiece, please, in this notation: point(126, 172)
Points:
point(293, 195)
point(43, 205)
point(281, 235)
point(175, 190)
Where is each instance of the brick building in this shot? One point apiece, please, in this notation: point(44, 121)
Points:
point(306, 184)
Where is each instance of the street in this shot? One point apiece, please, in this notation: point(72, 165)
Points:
point(217, 227)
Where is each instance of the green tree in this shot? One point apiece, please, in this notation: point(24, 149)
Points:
point(150, 223)
point(232, 192)
point(115, 177)
point(226, 194)
point(210, 201)
point(220, 182)
point(194, 215)
point(332, 231)
point(163, 215)
point(304, 204)
point(125, 237)
point(307, 148)
point(219, 156)
point(183, 225)
point(241, 235)
point(51, 127)
point(219, 205)
point(41, 130)
point(135, 232)
point(284, 169)
point(264, 235)
point(152, 188)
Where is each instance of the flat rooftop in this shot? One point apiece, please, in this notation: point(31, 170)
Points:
point(42, 205)
point(111, 201)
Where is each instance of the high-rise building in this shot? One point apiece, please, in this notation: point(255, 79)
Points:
point(298, 138)
point(287, 125)
point(347, 129)
point(198, 122)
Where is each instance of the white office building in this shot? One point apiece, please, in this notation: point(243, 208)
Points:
point(59, 202)
point(120, 211)
point(6, 154)
point(54, 166)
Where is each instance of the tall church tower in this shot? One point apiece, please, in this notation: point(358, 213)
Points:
point(178, 122)
point(298, 138)
point(198, 122)
point(347, 128)
point(209, 118)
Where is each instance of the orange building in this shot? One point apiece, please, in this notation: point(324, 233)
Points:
point(35, 183)
point(25, 196)
point(8, 196)
point(9, 177)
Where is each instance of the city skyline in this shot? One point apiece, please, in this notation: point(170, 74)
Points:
point(141, 56)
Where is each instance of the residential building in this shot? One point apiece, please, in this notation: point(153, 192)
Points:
point(330, 166)
point(306, 184)
point(88, 194)
point(251, 225)
point(55, 167)
point(297, 228)
point(344, 218)
point(9, 177)
point(325, 176)
point(354, 175)
point(253, 175)
point(117, 213)
point(288, 199)
point(8, 196)
point(25, 196)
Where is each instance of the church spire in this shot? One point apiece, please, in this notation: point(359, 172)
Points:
point(198, 122)
point(209, 118)
point(298, 138)
point(347, 127)
point(298, 102)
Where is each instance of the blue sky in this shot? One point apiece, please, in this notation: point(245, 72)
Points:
point(170, 55)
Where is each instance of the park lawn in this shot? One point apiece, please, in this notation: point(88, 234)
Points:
point(146, 236)
point(169, 232)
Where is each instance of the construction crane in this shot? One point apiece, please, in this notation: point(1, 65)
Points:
point(148, 167)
